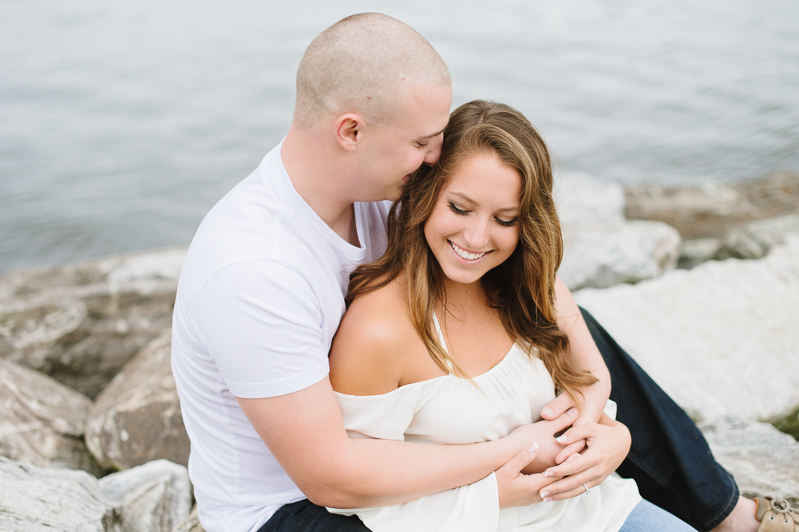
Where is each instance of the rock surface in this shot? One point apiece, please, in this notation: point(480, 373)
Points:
point(601, 248)
point(80, 323)
point(137, 418)
point(191, 523)
point(46, 500)
point(720, 339)
point(755, 239)
point(711, 209)
point(763, 460)
point(154, 497)
point(151, 498)
point(41, 420)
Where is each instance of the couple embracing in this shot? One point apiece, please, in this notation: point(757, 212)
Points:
point(463, 390)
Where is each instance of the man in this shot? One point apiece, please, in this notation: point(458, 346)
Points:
point(262, 293)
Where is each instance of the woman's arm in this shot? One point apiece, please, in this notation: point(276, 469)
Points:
point(585, 355)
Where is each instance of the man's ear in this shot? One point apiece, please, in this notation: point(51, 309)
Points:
point(348, 131)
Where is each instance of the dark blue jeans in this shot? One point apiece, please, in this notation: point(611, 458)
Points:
point(669, 458)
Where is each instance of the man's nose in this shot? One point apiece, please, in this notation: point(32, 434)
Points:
point(434, 151)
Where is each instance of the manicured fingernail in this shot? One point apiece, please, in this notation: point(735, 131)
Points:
point(562, 438)
point(548, 499)
point(572, 411)
point(533, 448)
point(549, 473)
point(547, 411)
point(544, 494)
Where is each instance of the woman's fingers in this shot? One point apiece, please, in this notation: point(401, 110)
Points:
point(515, 488)
point(570, 450)
point(514, 466)
point(562, 490)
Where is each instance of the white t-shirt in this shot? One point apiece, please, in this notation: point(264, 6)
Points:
point(260, 297)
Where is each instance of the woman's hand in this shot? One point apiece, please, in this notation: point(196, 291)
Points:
point(543, 433)
point(593, 401)
point(607, 444)
point(517, 489)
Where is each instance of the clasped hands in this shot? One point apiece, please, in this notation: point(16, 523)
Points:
point(557, 465)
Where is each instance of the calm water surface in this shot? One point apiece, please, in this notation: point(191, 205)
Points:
point(121, 124)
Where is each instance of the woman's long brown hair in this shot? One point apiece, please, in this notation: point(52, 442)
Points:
point(522, 287)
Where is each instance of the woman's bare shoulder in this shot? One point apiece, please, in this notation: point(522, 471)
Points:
point(368, 352)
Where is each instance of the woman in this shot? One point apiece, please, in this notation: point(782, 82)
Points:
point(455, 335)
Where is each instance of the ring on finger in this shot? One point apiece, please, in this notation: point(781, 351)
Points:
point(586, 488)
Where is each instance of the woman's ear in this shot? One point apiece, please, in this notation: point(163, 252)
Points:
point(348, 131)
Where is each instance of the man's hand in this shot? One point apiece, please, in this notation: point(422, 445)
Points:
point(608, 443)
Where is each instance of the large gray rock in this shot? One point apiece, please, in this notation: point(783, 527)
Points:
point(755, 239)
point(601, 247)
point(604, 253)
point(41, 420)
point(137, 418)
point(80, 323)
point(191, 523)
point(763, 460)
point(720, 339)
point(711, 209)
point(33, 499)
point(155, 497)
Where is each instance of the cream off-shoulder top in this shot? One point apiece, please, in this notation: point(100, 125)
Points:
point(449, 409)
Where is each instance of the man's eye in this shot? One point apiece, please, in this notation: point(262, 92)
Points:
point(454, 208)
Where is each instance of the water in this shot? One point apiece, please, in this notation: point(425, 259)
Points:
point(122, 123)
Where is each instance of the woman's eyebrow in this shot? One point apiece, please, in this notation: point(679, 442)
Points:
point(469, 200)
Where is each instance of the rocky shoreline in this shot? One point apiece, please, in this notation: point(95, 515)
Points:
point(91, 436)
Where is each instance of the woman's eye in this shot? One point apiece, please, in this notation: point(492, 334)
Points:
point(506, 223)
point(454, 208)
point(421, 144)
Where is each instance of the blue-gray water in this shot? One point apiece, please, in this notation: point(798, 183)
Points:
point(121, 123)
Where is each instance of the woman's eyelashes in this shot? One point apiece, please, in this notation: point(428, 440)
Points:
point(506, 223)
point(454, 208)
point(463, 212)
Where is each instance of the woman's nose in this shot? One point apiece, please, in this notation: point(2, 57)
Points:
point(477, 234)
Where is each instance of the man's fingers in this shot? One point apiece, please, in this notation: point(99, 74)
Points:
point(557, 407)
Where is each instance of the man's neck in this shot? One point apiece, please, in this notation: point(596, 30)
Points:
point(317, 175)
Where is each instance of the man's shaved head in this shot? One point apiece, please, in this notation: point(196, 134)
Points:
point(359, 65)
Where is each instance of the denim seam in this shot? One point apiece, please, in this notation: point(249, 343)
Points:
point(724, 512)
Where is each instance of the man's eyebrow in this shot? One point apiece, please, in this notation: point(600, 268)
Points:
point(430, 136)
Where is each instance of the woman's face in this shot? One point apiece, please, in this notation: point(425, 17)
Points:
point(473, 227)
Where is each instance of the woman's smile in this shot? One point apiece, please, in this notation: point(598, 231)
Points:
point(467, 256)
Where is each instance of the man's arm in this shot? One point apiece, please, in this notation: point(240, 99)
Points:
point(305, 432)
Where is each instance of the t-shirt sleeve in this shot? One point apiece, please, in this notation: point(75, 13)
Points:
point(262, 324)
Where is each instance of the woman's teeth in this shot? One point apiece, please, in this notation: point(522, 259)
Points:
point(465, 254)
